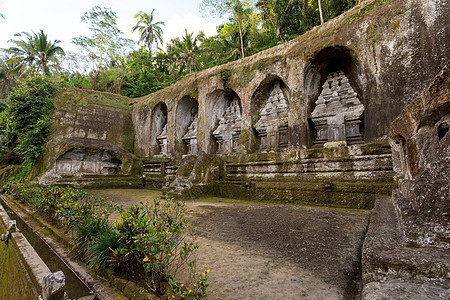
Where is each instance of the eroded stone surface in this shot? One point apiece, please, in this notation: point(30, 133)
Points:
point(338, 111)
point(79, 162)
point(229, 128)
point(190, 138)
point(272, 127)
point(422, 155)
point(53, 286)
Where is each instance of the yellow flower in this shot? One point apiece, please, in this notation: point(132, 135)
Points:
point(146, 258)
point(173, 296)
point(190, 291)
point(207, 271)
point(182, 285)
point(203, 274)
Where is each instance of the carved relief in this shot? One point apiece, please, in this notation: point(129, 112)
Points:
point(190, 138)
point(162, 140)
point(82, 162)
point(338, 112)
point(229, 128)
point(272, 127)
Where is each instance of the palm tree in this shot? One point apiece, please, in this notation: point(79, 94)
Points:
point(150, 32)
point(11, 70)
point(36, 50)
point(46, 50)
point(185, 51)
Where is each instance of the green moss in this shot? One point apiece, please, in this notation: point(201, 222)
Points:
point(375, 149)
point(242, 75)
point(371, 35)
point(14, 283)
point(225, 74)
point(395, 25)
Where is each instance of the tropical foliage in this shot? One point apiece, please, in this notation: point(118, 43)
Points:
point(26, 121)
point(149, 242)
point(35, 51)
point(150, 32)
point(106, 61)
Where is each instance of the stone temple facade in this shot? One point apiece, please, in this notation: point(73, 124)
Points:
point(338, 112)
point(272, 127)
point(190, 138)
point(229, 128)
point(307, 121)
point(162, 140)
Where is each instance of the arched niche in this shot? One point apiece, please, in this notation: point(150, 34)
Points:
point(186, 126)
point(158, 141)
point(88, 161)
point(223, 121)
point(332, 90)
point(269, 115)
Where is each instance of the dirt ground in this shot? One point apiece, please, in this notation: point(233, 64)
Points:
point(272, 251)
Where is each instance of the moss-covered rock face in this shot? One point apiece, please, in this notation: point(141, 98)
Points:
point(421, 155)
point(97, 125)
point(14, 278)
point(390, 50)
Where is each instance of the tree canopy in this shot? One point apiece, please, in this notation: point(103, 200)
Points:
point(107, 61)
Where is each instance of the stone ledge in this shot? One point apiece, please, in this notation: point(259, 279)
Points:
point(390, 267)
point(59, 242)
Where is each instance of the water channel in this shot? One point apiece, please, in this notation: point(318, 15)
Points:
point(74, 287)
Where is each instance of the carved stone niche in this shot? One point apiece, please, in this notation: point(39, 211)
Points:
point(338, 112)
point(162, 140)
point(190, 138)
point(272, 127)
point(229, 128)
point(80, 161)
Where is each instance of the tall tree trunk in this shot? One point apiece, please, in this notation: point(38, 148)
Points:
point(320, 12)
point(242, 41)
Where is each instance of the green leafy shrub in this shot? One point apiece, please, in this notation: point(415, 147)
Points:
point(148, 242)
point(64, 205)
point(154, 239)
point(102, 247)
point(86, 231)
point(27, 120)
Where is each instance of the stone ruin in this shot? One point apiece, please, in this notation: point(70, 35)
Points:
point(190, 138)
point(272, 127)
point(229, 128)
point(81, 162)
point(338, 112)
point(162, 141)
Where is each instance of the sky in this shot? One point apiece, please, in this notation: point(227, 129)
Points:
point(61, 19)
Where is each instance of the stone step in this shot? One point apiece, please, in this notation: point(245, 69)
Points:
point(91, 181)
point(386, 254)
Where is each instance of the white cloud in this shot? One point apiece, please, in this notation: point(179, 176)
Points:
point(176, 25)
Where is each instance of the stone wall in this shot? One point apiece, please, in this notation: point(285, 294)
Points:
point(421, 155)
point(23, 274)
point(388, 52)
point(92, 134)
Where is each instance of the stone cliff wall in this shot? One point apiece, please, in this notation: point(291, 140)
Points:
point(388, 50)
point(421, 155)
point(92, 134)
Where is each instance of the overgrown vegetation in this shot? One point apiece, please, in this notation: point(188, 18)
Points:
point(25, 123)
point(150, 242)
point(107, 61)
